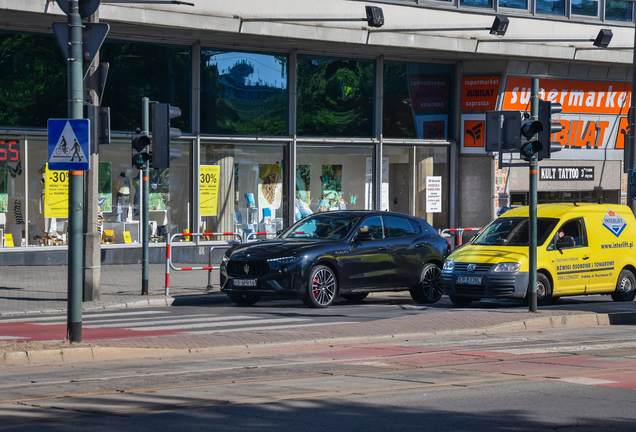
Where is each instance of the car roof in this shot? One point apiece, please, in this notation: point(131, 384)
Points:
point(565, 210)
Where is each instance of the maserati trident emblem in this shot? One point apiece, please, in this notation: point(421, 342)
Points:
point(471, 267)
point(246, 268)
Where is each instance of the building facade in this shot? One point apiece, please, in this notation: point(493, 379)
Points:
point(294, 107)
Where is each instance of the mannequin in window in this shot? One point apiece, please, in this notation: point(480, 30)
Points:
point(123, 197)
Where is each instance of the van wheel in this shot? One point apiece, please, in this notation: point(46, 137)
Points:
point(625, 286)
point(429, 290)
point(544, 290)
point(460, 301)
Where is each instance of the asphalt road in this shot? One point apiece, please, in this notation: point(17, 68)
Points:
point(575, 380)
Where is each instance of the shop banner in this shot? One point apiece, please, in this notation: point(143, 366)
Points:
point(208, 189)
point(563, 173)
point(433, 194)
point(480, 92)
point(591, 97)
point(55, 193)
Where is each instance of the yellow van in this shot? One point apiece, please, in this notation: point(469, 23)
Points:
point(581, 249)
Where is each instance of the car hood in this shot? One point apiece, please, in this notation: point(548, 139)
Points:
point(490, 254)
point(276, 248)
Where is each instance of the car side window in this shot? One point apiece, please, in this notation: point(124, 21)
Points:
point(573, 228)
point(373, 224)
point(398, 227)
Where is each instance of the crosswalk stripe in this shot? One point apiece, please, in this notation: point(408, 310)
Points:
point(586, 380)
point(169, 321)
point(85, 316)
point(270, 327)
point(219, 324)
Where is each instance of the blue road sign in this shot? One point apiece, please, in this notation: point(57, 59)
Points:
point(68, 144)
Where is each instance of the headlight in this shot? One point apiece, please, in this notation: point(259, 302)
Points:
point(507, 267)
point(449, 265)
point(286, 260)
point(225, 259)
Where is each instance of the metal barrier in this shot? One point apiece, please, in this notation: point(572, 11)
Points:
point(458, 232)
point(169, 260)
point(250, 235)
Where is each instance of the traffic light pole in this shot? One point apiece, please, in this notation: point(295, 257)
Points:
point(145, 124)
point(534, 166)
point(76, 179)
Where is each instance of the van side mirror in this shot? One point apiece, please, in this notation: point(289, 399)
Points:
point(565, 242)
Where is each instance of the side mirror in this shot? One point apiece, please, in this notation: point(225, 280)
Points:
point(364, 235)
point(565, 242)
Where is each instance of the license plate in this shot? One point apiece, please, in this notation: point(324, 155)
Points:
point(244, 282)
point(469, 280)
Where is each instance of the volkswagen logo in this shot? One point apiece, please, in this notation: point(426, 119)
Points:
point(471, 267)
point(246, 268)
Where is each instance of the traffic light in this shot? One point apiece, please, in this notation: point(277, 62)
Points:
point(140, 155)
point(162, 133)
point(529, 146)
point(546, 109)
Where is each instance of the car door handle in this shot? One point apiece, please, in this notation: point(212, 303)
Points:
point(586, 257)
point(383, 248)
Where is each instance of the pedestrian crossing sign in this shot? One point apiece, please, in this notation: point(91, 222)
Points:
point(68, 144)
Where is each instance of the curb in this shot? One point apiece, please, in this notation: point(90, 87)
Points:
point(83, 354)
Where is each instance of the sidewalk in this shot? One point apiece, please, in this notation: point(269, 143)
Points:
point(25, 289)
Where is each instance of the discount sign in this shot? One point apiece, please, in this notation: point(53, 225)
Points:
point(208, 189)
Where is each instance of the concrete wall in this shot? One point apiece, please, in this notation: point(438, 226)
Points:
point(475, 192)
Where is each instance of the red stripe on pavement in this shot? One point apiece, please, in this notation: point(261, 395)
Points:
point(29, 331)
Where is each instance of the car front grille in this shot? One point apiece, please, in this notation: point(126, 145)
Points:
point(479, 268)
point(247, 268)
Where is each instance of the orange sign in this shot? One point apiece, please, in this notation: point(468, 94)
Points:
point(592, 97)
point(474, 133)
point(480, 93)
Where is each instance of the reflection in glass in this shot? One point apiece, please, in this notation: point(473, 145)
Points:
point(159, 72)
point(585, 7)
point(417, 100)
point(335, 97)
point(243, 93)
point(549, 7)
point(618, 10)
point(476, 3)
point(34, 80)
point(514, 4)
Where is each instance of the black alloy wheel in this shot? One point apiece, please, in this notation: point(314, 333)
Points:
point(322, 287)
point(625, 287)
point(244, 299)
point(429, 289)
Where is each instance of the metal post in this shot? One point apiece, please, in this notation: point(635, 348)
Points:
point(145, 113)
point(534, 162)
point(76, 179)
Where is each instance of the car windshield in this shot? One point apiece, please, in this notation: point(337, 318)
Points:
point(512, 231)
point(322, 226)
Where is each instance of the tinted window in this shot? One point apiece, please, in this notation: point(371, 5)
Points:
point(398, 227)
point(511, 231)
point(373, 224)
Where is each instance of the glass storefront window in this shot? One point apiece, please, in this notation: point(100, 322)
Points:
point(159, 72)
point(333, 177)
point(514, 4)
point(476, 3)
point(34, 80)
point(585, 7)
point(549, 7)
point(417, 100)
point(249, 196)
point(244, 93)
point(335, 97)
point(411, 171)
point(618, 10)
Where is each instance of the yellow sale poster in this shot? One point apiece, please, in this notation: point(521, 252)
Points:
point(55, 193)
point(208, 189)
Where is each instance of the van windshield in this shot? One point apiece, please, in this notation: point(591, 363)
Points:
point(512, 231)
